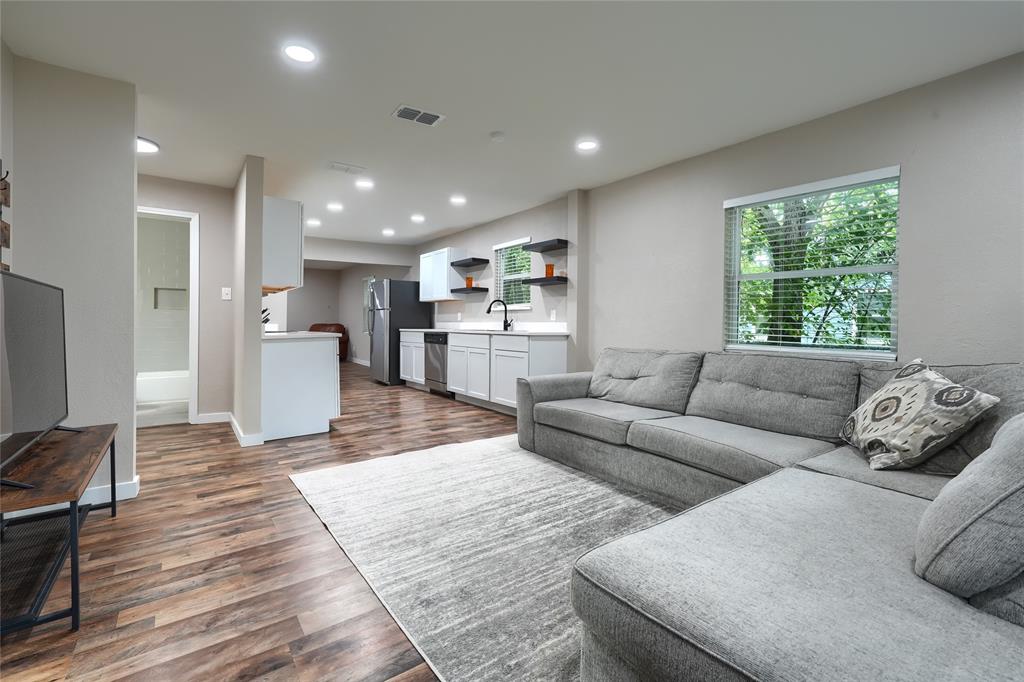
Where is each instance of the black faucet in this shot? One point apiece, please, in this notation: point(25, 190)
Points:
point(507, 324)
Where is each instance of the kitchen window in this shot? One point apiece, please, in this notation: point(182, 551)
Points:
point(814, 268)
point(511, 268)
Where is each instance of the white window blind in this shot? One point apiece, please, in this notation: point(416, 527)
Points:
point(815, 270)
point(511, 267)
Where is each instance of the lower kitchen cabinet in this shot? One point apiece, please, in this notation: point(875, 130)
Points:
point(458, 369)
point(478, 375)
point(411, 365)
point(506, 367)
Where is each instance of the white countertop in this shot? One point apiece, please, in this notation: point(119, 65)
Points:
point(298, 336)
point(491, 332)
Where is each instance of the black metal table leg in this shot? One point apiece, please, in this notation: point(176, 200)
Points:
point(73, 520)
point(113, 479)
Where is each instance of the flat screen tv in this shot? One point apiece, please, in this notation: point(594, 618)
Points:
point(33, 372)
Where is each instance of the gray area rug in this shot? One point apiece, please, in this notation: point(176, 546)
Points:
point(470, 547)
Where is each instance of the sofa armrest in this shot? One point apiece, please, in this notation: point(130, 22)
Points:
point(541, 389)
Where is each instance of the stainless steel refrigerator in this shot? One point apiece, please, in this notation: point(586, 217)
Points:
point(394, 304)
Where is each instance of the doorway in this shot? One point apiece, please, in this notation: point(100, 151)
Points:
point(166, 316)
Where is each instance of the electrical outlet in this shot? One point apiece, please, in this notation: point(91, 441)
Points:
point(552, 315)
point(225, 293)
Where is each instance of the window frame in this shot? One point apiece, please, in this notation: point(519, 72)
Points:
point(499, 285)
point(734, 275)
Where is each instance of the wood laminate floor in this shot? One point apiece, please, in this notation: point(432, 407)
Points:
point(219, 570)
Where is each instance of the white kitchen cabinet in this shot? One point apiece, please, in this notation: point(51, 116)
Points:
point(411, 362)
point(438, 277)
point(458, 369)
point(419, 370)
point(478, 373)
point(506, 367)
point(282, 244)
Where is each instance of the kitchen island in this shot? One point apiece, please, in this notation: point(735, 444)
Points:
point(301, 383)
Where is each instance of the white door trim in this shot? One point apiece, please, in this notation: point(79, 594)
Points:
point(193, 301)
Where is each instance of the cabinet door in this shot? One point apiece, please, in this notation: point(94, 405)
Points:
point(418, 369)
point(405, 361)
point(427, 277)
point(506, 367)
point(478, 380)
point(457, 369)
point(282, 243)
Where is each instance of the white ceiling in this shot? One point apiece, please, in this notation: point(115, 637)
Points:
point(655, 82)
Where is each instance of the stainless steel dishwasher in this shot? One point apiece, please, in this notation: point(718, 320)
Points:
point(435, 368)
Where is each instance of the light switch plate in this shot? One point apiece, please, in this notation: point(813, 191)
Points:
point(460, 317)
point(225, 293)
point(553, 314)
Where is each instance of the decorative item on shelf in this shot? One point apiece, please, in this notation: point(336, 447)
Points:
point(549, 269)
point(469, 282)
point(563, 273)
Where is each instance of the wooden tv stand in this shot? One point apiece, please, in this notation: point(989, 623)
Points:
point(34, 547)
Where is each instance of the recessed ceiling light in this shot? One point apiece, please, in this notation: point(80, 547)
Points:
point(144, 146)
point(335, 207)
point(457, 199)
point(313, 222)
point(300, 53)
point(587, 145)
point(388, 232)
point(417, 217)
point(364, 184)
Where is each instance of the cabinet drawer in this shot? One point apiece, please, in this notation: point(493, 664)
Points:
point(412, 337)
point(504, 342)
point(469, 340)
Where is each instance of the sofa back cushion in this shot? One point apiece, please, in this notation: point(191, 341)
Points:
point(807, 397)
point(1004, 381)
point(659, 379)
point(971, 538)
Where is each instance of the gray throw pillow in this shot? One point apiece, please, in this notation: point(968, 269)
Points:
point(914, 415)
point(971, 538)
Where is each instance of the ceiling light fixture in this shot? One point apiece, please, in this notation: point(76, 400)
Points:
point(388, 232)
point(300, 53)
point(313, 222)
point(417, 218)
point(335, 207)
point(144, 146)
point(587, 145)
point(457, 199)
point(365, 184)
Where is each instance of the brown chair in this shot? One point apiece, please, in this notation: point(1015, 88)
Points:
point(334, 328)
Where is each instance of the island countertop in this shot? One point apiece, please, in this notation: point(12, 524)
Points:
point(298, 336)
point(490, 332)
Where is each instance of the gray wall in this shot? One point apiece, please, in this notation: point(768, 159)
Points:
point(161, 296)
point(215, 206)
point(75, 192)
point(316, 300)
point(350, 303)
point(6, 128)
point(654, 249)
point(247, 295)
point(540, 223)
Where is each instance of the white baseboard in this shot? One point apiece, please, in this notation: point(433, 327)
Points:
point(99, 494)
point(244, 439)
point(212, 418)
point(364, 363)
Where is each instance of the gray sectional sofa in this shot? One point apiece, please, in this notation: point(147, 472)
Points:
point(793, 560)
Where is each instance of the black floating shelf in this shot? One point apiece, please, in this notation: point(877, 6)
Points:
point(545, 281)
point(469, 290)
point(470, 262)
point(549, 245)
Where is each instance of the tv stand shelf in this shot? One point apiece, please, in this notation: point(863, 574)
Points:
point(33, 548)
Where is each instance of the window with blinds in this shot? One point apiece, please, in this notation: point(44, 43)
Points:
point(814, 268)
point(511, 268)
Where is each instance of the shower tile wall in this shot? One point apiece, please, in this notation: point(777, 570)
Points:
point(161, 302)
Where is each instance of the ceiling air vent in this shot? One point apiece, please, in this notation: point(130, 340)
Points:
point(343, 167)
point(417, 115)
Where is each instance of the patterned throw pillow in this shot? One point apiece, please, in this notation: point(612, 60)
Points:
point(914, 415)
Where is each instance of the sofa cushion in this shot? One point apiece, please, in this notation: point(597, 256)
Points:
point(798, 576)
point(913, 416)
point(808, 397)
point(971, 538)
point(1005, 601)
point(658, 379)
point(1005, 381)
point(848, 462)
point(600, 419)
point(731, 450)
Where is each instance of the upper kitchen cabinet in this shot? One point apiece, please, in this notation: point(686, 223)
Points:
point(282, 244)
point(438, 277)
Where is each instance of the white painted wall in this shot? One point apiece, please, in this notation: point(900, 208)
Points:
point(75, 192)
point(161, 296)
point(655, 242)
point(247, 294)
point(215, 206)
point(316, 300)
point(345, 251)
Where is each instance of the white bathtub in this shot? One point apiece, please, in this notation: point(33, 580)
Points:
point(158, 387)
